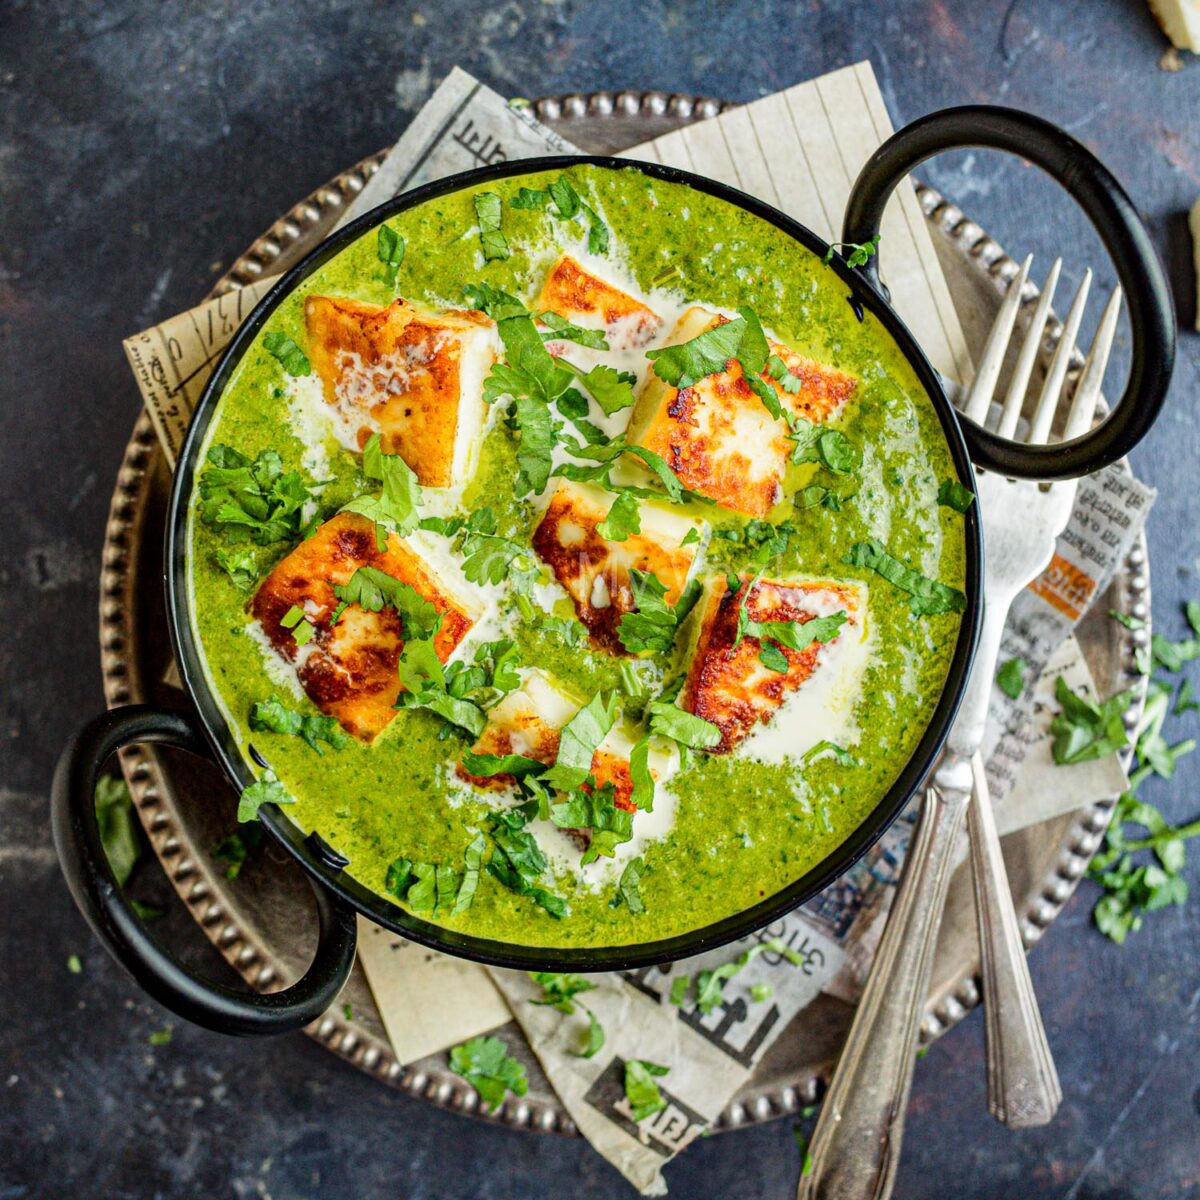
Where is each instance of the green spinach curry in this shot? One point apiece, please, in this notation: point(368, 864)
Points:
point(573, 554)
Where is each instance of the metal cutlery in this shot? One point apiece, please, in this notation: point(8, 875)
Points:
point(855, 1147)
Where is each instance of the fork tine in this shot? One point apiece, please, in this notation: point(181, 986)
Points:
point(979, 398)
point(1043, 417)
point(1018, 385)
point(1087, 390)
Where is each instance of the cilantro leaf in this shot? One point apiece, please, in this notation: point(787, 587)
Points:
point(639, 773)
point(241, 565)
point(840, 754)
point(534, 450)
point(501, 659)
point(565, 197)
point(952, 494)
point(395, 508)
point(560, 329)
point(496, 304)
point(290, 357)
point(488, 557)
point(473, 862)
point(484, 766)
point(595, 1036)
point(685, 364)
point(641, 1091)
point(679, 989)
point(389, 249)
point(488, 211)
point(267, 790)
point(629, 886)
point(235, 850)
point(610, 388)
point(373, 589)
point(710, 984)
point(928, 596)
point(486, 1065)
point(595, 810)
point(117, 825)
point(273, 716)
point(530, 198)
point(578, 741)
point(1084, 730)
point(624, 519)
point(517, 861)
point(559, 990)
point(670, 721)
point(256, 497)
point(859, 251)
point(781, 373)
point(1010, 679)
point(653, 624)
point(424, 682)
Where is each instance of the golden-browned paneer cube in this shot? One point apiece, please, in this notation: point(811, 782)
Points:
point(585, 299)
point(529, 721)
point(349, 669)
point(717, 435)
point(415, 378)
point(728, 684)
point(595, 572)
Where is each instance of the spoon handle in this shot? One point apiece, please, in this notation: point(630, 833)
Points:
point(855, 1147)
point(1023, 1087)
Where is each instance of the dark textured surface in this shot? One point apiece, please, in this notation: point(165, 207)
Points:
point(143, 144)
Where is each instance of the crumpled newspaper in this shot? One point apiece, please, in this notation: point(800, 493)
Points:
point(819, 133)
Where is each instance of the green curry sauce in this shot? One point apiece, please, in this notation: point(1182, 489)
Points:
point(743, 830)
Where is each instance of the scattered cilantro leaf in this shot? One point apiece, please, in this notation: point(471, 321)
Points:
point(273, 716)
point(117, 825)
point(629, 886)
point(624, 519)
point(610, 388)
point(290, 357)
point(235, 850)
point(559, 989)
point(859, 251)
point(424, 681)
point(710, 984)
point(267, 790)
point(781, 373)
point(496, 304)
point(252, 497)
point(389, 249)
point(486, 1065)
point(373, 589)
point(395, 508)
point(641, 1091)
point(669, 721)
point(684, 365)
point(578, 741)
point(679, 989)
point(840, 754)
point(595, 1036)
point(1084, 730)
point(517, 860)
point(928, 595)
point(560, 329)
point(952, 494)
point(488, 211)
point(595, 810)
point(1010, 679)
point(640, 775)
point(241, 565)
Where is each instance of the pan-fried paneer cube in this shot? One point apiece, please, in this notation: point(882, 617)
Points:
point(413, 377)
point(348, 668)
point(585, 299)
point(529, 721)
point(595, 571)
point(740, 685)
point(717, 435)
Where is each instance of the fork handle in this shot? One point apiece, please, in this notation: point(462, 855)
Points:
point(855, 1147)
point(1116, 220)
point(1022, 1083)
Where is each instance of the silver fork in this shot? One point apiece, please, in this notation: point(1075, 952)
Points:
point(855, 1148)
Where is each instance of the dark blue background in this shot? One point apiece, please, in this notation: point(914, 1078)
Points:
point(141, 145)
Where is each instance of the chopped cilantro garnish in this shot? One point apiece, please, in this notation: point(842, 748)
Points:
point(496, 304)
point(488, 211)
point(629, 886)
point(642, 795)
point(610, 388)
point(235, 850)
point(560, 329)
point(484, 766)
point(117, 825)
point(691, 538)
point(595, 810)
point(274, 716)
point(1084, 730)
point(1010, 679)
point(241, 565)
point(686, 364)
point(840, 754)
point(952, 494)
point(255, 497)
point(517, 860)
point(267, 790)
point(425, 686)
point(710, 984)
point(293, 360)
point(389, 249)
point(760, 992)
point(373, 589)
point(1130, 622)
point(486, 1065)
point(859, 251)
point(679, 989)
point(303, 633)
point(624, 519)
point(578, 742)
point(654, 623)
point(559, 990)
point(670, 721)
point(781, 373)
point(395, 508)
point(928, 596)
point(641, 1091)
